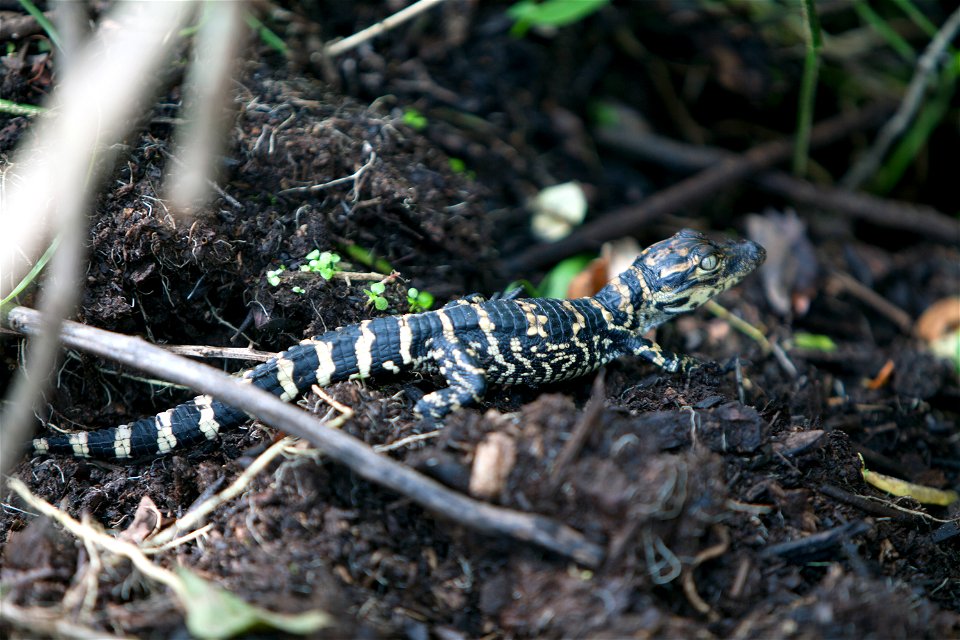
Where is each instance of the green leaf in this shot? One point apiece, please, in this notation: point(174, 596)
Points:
point(551, 13)
point(313, 255)
point(814, 341)
point(297, 289)
point(215, 613)
point(42, 20)
point(380, 303)
point(365, 257)
point(267, 36)
point(378, 287)
point(557, 281)
point(17, 109)
point(414, 119)
point(273, 277)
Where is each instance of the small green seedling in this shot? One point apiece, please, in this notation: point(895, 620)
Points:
point(375, 293)
point(419, 300)
point(273, 276)
point(550, 13)
point(297, 289)
point(414, 119)
point(323, 263)
point(814, 342)
point(365, 257)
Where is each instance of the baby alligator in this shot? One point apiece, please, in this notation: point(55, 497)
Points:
point(471, 343)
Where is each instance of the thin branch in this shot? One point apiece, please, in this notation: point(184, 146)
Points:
point(927, 65)
point(195, 515)
point(229, 353)
point(48, 622)
point(339, 446)
point(354, 177)
point(689, 192)
point(878, 303)
point(59, 296)
point(395, 20)
point(50, 190)
point(208, 89)
point(111, 544)
point(895, 214)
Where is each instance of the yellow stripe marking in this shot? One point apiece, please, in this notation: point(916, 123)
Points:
point(166, 441)
point(207, 424)
point(406, 339)
point(325, 364)
point(447, 325)
point(121, 442)
point(364, 349)
point(285, 378)
point(79, 443)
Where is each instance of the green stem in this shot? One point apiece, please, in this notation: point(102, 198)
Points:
point(45, 24)
point(34, 271)
point(17, 109)
point(808, 86)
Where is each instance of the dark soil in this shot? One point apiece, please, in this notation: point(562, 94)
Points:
point(727, 508)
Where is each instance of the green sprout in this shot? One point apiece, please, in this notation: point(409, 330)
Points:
point(297, 289)
point(366, 257)
point(414, 119)
point(550, 13)
point(814, 341)
point(375, 293)
point(419, 300)
point(323, 263)
point(267, 36)
point(273, 277)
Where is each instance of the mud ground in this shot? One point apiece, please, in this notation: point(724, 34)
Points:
point(727, 508)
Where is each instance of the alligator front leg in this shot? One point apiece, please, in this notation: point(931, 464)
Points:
point(467, 381)
point(666, 360)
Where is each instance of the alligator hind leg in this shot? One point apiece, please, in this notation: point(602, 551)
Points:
point(467, 382)
point(478, 298)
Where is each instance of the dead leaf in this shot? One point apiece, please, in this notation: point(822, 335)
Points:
point(492, 464)
point(938, 319)
point(882, 377)
point(146, 522)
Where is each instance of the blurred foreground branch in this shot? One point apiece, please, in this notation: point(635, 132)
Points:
point(54, 175)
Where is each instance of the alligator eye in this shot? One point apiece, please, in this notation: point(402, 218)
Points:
point(710, 262)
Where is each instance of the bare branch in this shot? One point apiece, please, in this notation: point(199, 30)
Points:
point(926, 68)
point(55, 174)
point(339, 446)
point(395, 20)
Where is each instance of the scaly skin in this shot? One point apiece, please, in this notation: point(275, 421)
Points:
point(470, 342)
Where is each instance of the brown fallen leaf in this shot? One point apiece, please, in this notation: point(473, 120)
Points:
point(146, 522)
point(492, 464)
point(938, 319)
point(882, 377)
point(789, 275)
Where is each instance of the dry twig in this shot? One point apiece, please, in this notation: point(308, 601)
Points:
point(895, 214)
point(94, 107)
point(693, 190)
point(342, 46)
point(340, 447)
point(894, 128)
